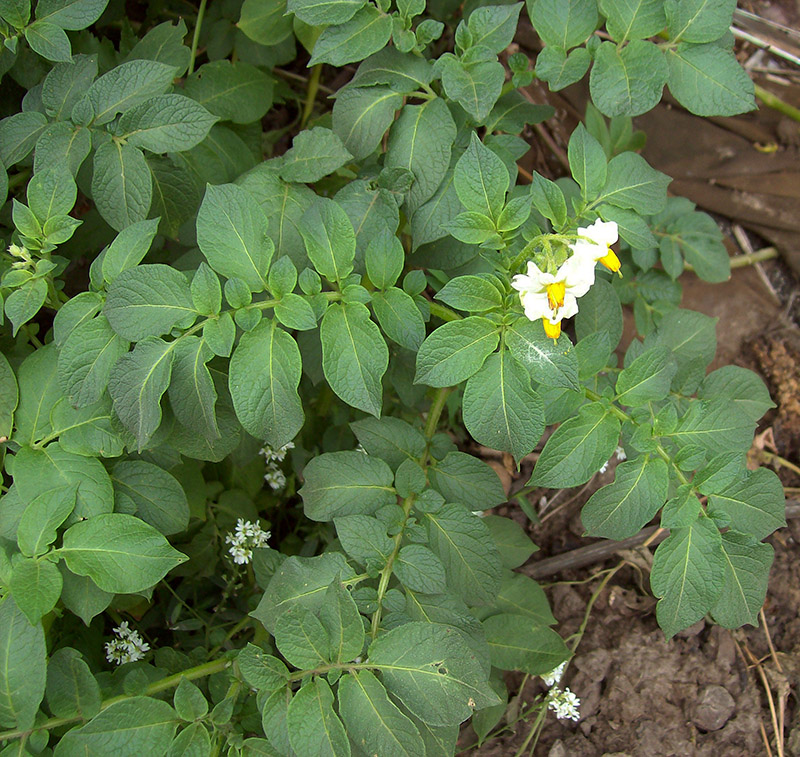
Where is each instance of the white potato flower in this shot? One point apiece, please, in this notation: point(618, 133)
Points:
point(594, 243)
point(247, 537)
point(553, 296)
point(127, 647)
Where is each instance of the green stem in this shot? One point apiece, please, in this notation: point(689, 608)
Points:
point(311, 94)
point(775, 102)
point(170, 682)
point(431, 424)
point(443, 312)
point(201, 11)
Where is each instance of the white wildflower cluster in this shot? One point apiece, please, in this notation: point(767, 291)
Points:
point(247, 537)
point(563, 702)
point(275, 476)
point(129, 646)
point(619, 453)
point(554, 296)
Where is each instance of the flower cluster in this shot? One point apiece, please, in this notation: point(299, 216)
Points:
point(274, 476)
point(619, 453)
point(554, 296)
point(128, 647)
point(247, 537)
point(563, 702)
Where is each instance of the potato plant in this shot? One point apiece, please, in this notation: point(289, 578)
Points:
point(246, 320)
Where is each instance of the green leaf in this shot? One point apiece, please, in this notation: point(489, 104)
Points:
point(329, 238)
point(166, 123)
point(372, 212)
point(37, 471)
point(49, 40)
point(463, 478)
point(16, 12)
point(261, 670)
point(71, 688)
point(753, 503)
point(563, 23)
point(365, 33)
point(324, 12)
point(232, 234)
point(711, 426)
point(145, 490)
point(38, 392)
point(342, 623)
point(470, 293)
point(264, 374)
point(191, 391)
point(622, 508)
point(420, 569)
point(632, 183)
point(420, 141)
point(743, 389)
point(633, 19)
point(402, 72)
point(516, 642)
point(126, 86)
point(121, 184)
point(549, 363)
point(9, 395)
point(698, 20)
point(587, 161)
point(390, 439)
point(345, 483)
point(301, 639)
point(66, 84)
point(628, 82)
point(71, 14)
point(744, 586)
point(430, 668)
point(384, 259)
point(315, 153)
point(364, 538)
point(513, 112)
point(500, 408)
point(120, 553)
point(354, 356)
point(647, 378)
point(235, 92)
point(521, 595)
point(81, 596)
point(24, 303)
point(464, 544)
point(128, 248)
point(493, 26)
point(475, 86)
point(147, 300)
point(600, 310)
point(87, 431)
point(192, 740)
point(361, 116)
point(86, 359)
point(314, 727)
point(399, 317)
point(577, 448)
point(265, 21)
point(513, 544)
point(19, 133)
point(455, 351)
point(700, 241)
point(62, 143)
point(373, 721)
point(36, 587)
point(481, 179)
point(37, 528)
point(137, 383)
point(558, 69)
point(689, 335)
point(135, 726)
point(51, 192)
point(687, 575)
point(23, 676)
point(708, 81)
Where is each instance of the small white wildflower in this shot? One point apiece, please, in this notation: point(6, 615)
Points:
point(246, 537)
point(275, 477)
point(603, 467)
point(360, 448)
point(128, 647)
point(565, 704)
point(277, 455)
point(619, 453)
point(554, 676)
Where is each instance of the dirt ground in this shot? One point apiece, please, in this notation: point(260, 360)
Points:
point(708, 691)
